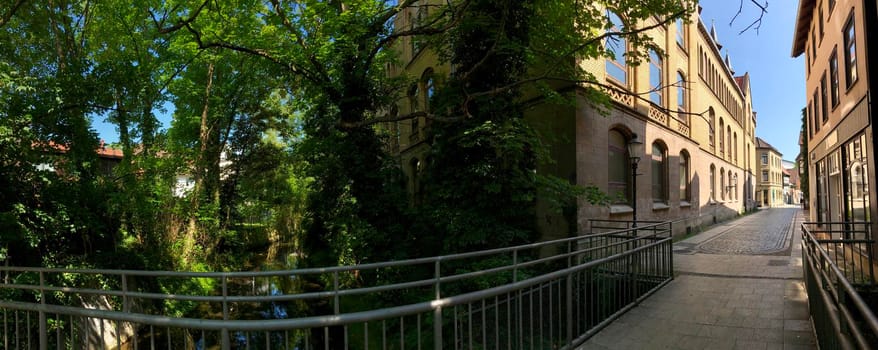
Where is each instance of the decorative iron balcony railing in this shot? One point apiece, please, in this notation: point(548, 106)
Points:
point(840, 281)
point(544, 295)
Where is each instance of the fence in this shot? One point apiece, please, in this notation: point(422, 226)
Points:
point(838, 268)
point(518, 297)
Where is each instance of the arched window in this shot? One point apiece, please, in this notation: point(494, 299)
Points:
point(730, 188)
point(414, 106)
point(427, 79)
point(616, 45)
point(712, 183)
point(618, 168)
point(735, 146)
point(722, 137)
point(736, 186)
point(711, 115)
point(682, 98)
point(659, 166)
point(656, 81)
point(729, 140)
point(685, 193)
point(722, 183)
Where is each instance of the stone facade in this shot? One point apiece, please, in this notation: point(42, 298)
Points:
point(769, 175)
point(703, 114)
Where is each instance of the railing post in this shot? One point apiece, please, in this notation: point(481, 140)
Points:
point(514, 265)
point(224, 334)
point(437, 313)
point(125, 306)
point(335, 298)
point(569, 308)
point(44, 338)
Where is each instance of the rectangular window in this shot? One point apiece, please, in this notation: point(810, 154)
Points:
point(810, 120)
point(681, 33)
point(655, 78)
point(850, 53)
point(765, 176)
point(616, 66)
point(823, 107)
point(833, 78)
point(816, 112)
point(765, 159)
point(820, 23)
point(684, 177)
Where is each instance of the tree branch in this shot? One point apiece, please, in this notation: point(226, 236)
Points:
point(757, 23)
point(8, 15)
point(255, 52)
point(180, 24)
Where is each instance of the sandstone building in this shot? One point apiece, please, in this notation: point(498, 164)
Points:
point(692, 113)
point(769, 175)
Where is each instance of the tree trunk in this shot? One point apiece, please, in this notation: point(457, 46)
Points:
point(199, 170)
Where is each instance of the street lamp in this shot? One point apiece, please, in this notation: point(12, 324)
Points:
point(635, 151)
point(733, 184)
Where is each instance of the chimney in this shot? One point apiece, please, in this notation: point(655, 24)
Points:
point(103, 145)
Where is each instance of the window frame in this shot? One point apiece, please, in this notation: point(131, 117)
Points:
point(625, 185)
point(685, 165)
point(712, 183)
point(682, 98)
point(681, 33)
point(659, 171)
point(621, 64)
point(656, 65)
point(722, 183)
point(833, 78)
point(849, 39)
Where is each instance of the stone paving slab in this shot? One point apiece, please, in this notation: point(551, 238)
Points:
point(722, 301)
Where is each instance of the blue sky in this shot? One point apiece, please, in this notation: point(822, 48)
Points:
point(777, 81)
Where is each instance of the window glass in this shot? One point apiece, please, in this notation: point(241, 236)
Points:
point(684, 176)
point(659, 174)
point(722, 183)
point(618, 168)
point(712, 183)
point(833, 78)
point(850, 53)
point(616, 45)
point(655, 78)
point(681, 32)
point(682, 98)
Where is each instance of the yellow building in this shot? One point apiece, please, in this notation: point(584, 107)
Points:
point(689, 110)
point(770, 172)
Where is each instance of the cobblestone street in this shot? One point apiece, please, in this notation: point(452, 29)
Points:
point(738, 285)
point(766, 232)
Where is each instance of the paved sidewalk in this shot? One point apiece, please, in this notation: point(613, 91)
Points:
point(722, 301)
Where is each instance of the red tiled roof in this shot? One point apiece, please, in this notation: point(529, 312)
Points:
point(760, 143)
point(110, 153)
point(102, 151)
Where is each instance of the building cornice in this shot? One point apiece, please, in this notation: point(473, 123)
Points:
point(803, 24)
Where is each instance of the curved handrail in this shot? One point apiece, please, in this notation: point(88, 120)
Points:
point(349, 268)
point(326, 320)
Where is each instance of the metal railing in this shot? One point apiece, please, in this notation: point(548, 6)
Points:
point(517, 297)
point(838, 266)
